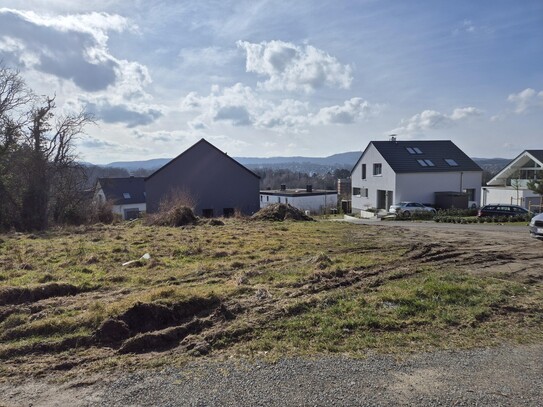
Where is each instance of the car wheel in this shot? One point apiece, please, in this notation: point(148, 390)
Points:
point(406, 213)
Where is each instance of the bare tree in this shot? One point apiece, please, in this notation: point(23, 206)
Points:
point(37, 158)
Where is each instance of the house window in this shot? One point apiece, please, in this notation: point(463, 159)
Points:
point(261, 198)
point(267, 198)
point(413, 150)
point(363, 171)
point(364, 192)
point(377, 169)
point(207, 213)
point(356, 191)
point(286, 200)
point(279, 199)
point(451, 162)
point(228, 212)
point(426, 163)
point(132, 213)
point(126, 195)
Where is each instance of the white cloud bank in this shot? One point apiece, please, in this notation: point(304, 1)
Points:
point(526, 100)
point(431, 119)
point(295, 68)
point(239, 105)
point(74, 49)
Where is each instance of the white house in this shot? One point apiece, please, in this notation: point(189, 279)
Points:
point(315, 201)
point(393, 171)
point(126, 195)
point(509, 186)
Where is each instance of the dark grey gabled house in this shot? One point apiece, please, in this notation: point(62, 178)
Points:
point(392, 171)
point(216, 184)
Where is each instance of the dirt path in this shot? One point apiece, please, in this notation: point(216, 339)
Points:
point(504, 376)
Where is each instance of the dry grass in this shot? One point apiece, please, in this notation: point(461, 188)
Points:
point(296, 287)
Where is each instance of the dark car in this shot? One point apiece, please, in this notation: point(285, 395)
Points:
point(502, 210)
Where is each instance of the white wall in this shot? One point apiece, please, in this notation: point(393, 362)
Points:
point(505, 195)
point(386, 181)
point(119, 209)
point(421, 187)
point(312, 203)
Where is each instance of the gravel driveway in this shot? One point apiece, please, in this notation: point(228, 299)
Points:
point(504, 376)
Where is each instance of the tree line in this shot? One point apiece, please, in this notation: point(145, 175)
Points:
point(40, 180)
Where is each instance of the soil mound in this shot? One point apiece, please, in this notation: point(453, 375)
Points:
point(150, 317)
point(280, 212)
point(173, 216)
point(20, 295)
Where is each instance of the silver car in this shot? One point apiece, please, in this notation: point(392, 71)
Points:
point(536, 226)
point(407, 208)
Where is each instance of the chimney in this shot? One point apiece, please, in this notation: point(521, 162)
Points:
point(309, 188)
point(393, 137)
point(283, 187)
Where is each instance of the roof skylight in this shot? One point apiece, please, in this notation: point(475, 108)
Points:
point(413, 150)
point(451, 162)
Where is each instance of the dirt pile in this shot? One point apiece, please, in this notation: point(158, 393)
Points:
point(280, 212)
point(173, 216)
point(20, 295)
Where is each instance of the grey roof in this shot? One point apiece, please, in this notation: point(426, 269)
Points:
point(207, 143)
point(538, 154)
point(115, 188)
point(397, 155)
point(298, 192)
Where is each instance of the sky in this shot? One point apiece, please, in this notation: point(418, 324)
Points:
point(283, 78)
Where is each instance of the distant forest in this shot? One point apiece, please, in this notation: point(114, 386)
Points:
point(293, 175)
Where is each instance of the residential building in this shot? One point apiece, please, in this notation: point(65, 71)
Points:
point(318, 201)
point(394, 171)
point(213, 183)
point(509, 186)
point(126, 195)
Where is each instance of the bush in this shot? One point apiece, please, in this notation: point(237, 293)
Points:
point(457, 212)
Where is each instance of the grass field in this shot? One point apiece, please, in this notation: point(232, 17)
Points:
point(245, 288)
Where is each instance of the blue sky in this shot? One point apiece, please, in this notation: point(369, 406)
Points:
point(268, 78)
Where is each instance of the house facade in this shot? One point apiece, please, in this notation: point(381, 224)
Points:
point(509, 186)
point(393, 171)
point(126, 195)
point(315, 201)
point(213, 183)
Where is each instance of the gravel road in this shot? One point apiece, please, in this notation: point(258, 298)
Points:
point(503, 376)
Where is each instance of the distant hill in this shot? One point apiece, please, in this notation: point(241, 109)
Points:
point(136, 165)
point(492, 165)
point(299, 164)
point(342, 160)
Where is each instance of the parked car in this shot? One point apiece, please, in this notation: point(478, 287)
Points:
point(502, 210)
point(407, 208)
point(536, 226)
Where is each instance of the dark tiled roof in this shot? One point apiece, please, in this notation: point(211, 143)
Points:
point(397, 155)
point(115, 188)
point(538, 154)
point(207, 143)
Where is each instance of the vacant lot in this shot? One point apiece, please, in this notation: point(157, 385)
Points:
point(68, 305)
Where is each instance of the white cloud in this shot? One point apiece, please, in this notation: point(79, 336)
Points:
point(73, 49)
point(292, 68)
point(352, 110)
point(431, 119)
point(239, 105)
point(526, 100)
